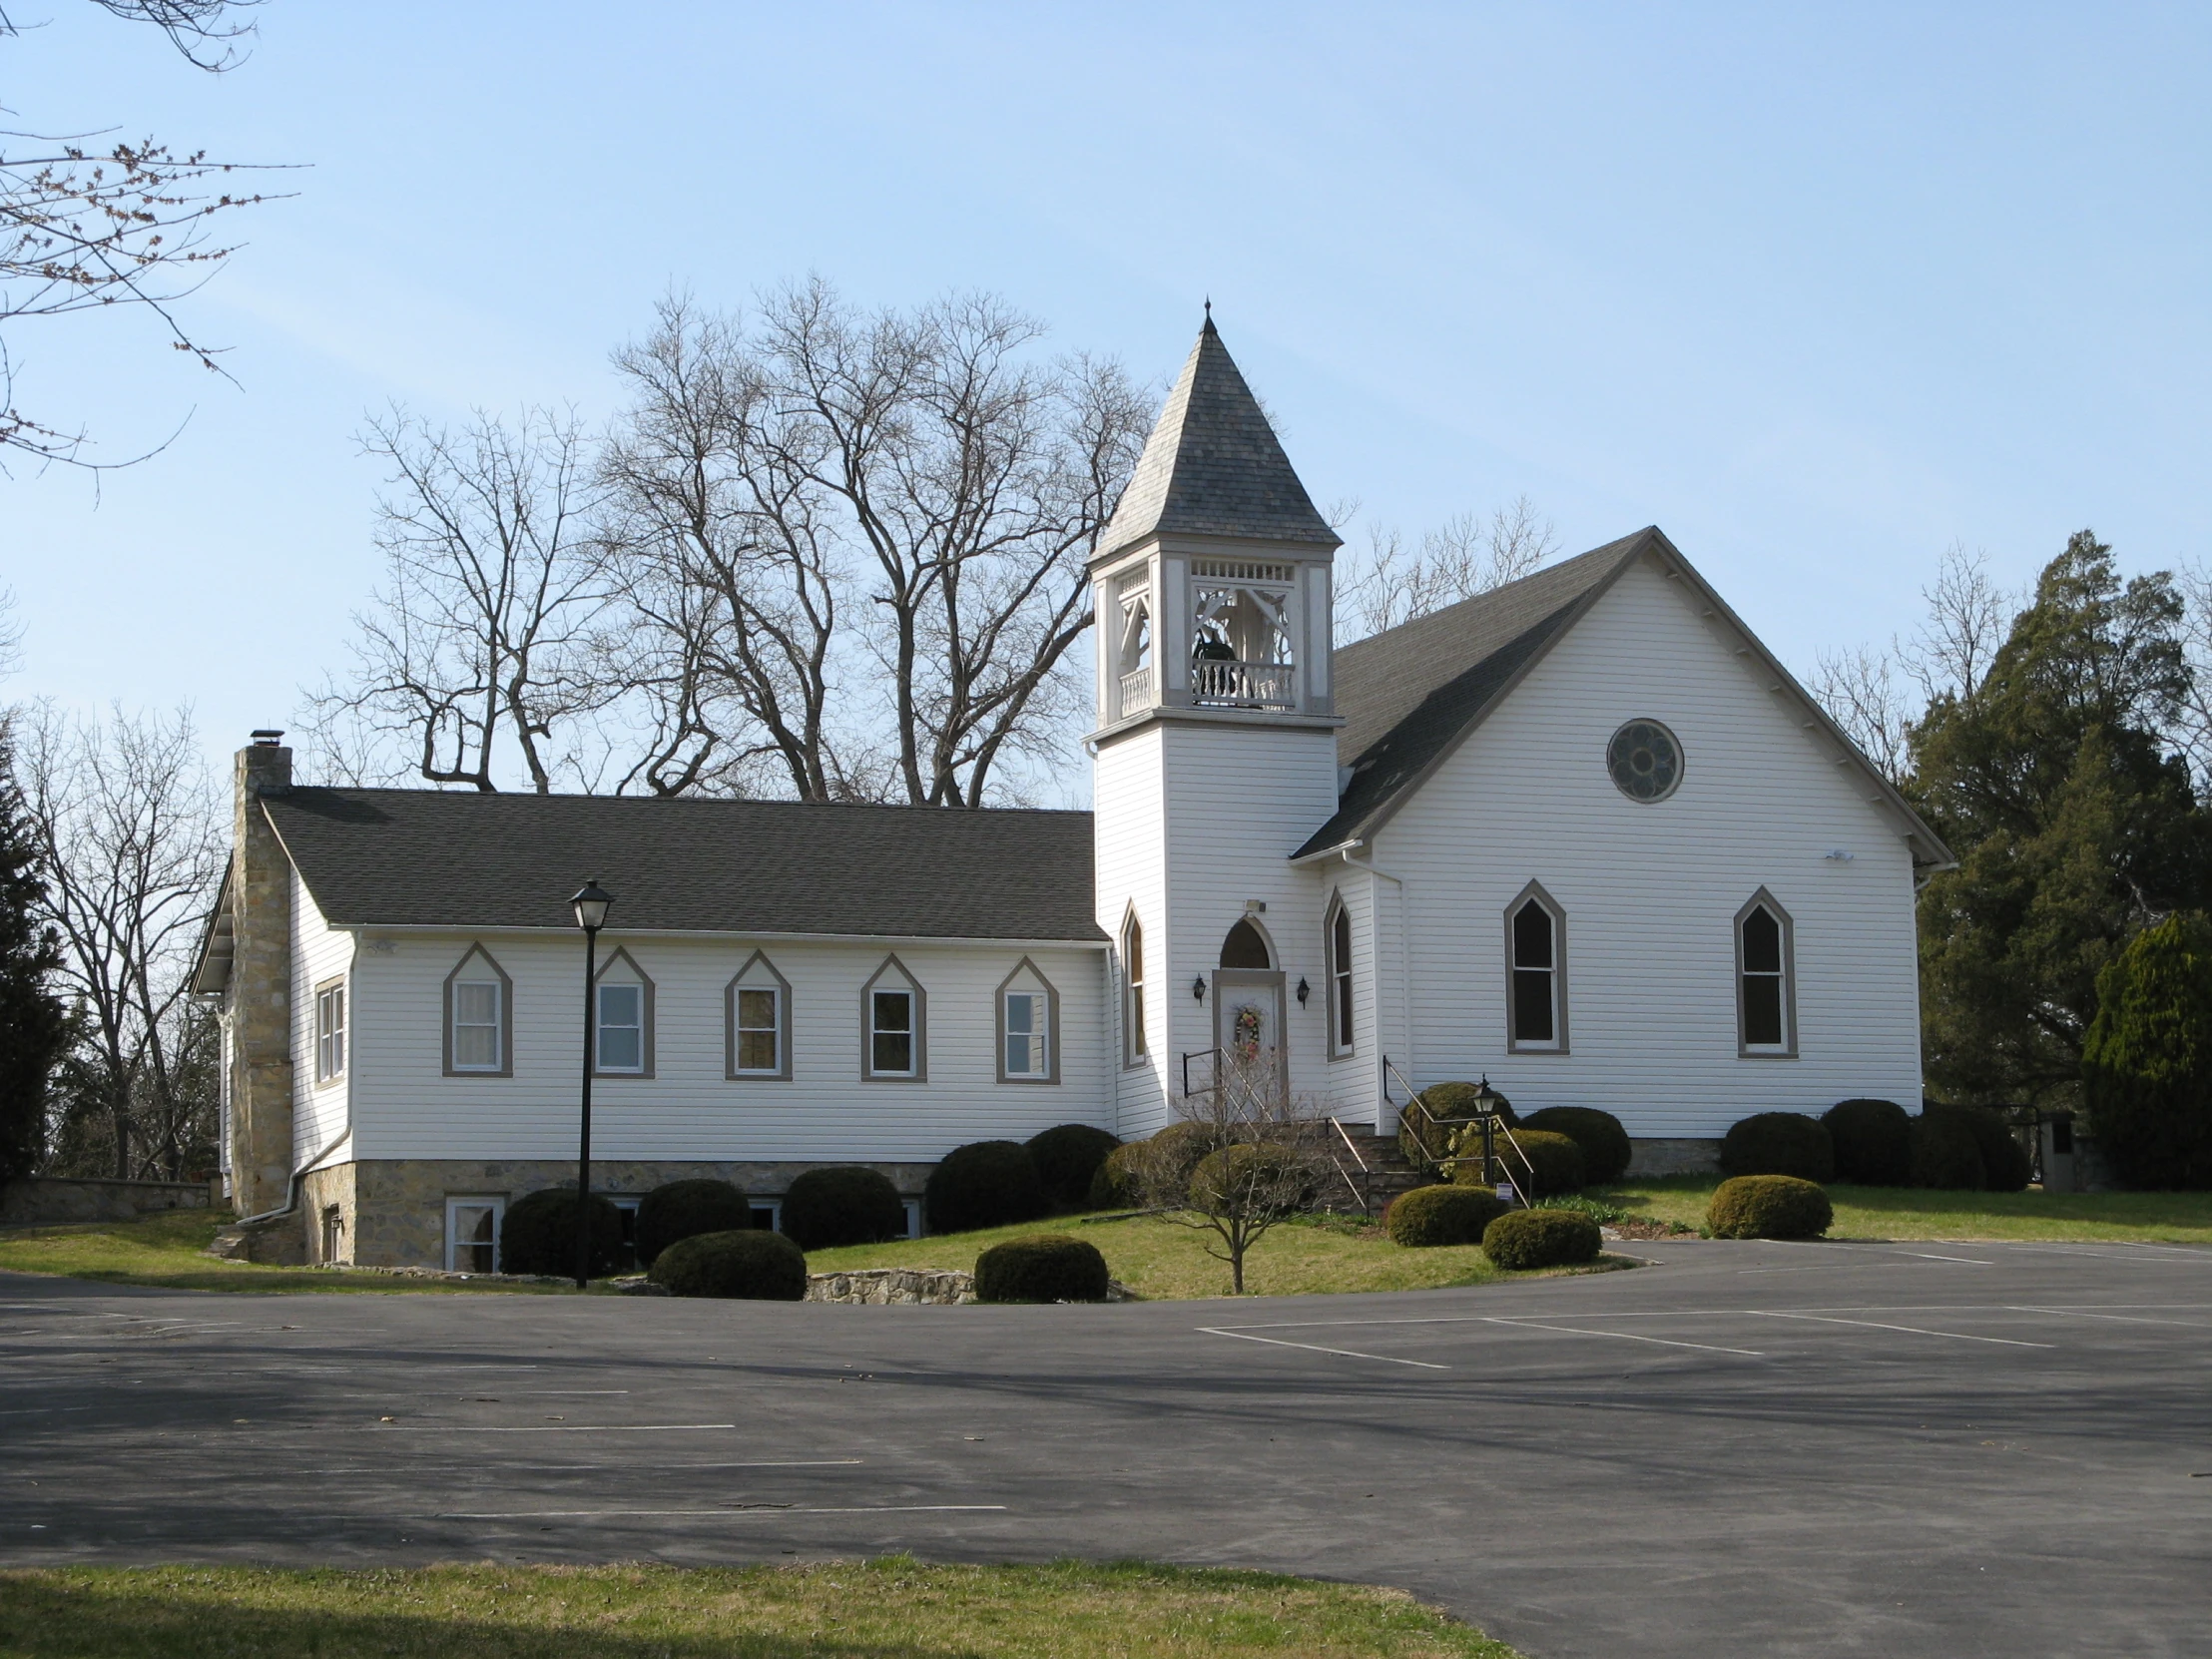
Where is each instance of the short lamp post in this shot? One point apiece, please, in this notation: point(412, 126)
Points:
point(591, 915)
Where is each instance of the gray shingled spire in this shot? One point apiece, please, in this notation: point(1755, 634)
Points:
point(1213, 466)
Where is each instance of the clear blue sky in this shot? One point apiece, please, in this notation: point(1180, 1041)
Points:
point(1815, 290)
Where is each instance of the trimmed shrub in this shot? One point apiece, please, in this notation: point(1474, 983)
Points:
point(539, 1234)
point(1873, 1141)
point(1604, 1142)
point(1067, 1157)
point(686, 1209)
point(1114, 1182)
point(753, 1264)
point(1447, 1103)
point(1554, 1164)
point(842, 1204)
point(2006, 1164)
point(1232, 1177)
point(1779, 1143)
point(1524, 1239)
point(2146, 1066)
point(1046, 1267)
point(984, 1184)
point(1944, 1154)
point(1431, 1216)
point(1768, 1207)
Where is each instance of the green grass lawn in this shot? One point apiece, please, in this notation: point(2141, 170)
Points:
point(165, 1249)
point(1162, 1260)
point(1916, 1213)
point(879, 1609)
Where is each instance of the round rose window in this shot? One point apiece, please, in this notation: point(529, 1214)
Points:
point(1645, 761)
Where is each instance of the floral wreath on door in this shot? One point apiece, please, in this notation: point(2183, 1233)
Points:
point(1243, 1033)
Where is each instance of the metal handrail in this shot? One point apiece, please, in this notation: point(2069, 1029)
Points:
point(1440, 1166)
point(1201, 1055)
point(1364, 1188)
point(1346, 1137)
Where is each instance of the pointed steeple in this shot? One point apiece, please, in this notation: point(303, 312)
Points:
point(1213, 465)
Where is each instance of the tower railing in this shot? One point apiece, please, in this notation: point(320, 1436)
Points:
point(1219, 683)
point(1136, 690)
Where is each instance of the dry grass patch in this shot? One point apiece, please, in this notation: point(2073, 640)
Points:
point(879, 1609)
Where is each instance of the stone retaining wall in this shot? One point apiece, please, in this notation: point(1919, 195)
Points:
point(892, 1287)
point(47, 1198)
point(1673, 1157)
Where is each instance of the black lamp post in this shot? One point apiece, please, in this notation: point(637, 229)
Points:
point(591, 915)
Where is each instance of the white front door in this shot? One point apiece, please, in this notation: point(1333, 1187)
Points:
point(1248, 1031)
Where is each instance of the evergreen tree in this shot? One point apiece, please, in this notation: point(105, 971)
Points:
point(2146, 1068)
point(31, 1021)
point(2075, 823)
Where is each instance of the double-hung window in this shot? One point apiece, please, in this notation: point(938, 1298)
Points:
point(621, 1027)
point(891, 1034)
point(1028, 1028)
point(893, 1015)
point(760, 1028)
point(479, 1025)
point(1536, 971)
point(1766, 1015)
point(330, 1032)
point(1025, 1034)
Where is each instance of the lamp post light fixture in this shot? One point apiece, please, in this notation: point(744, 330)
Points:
point(590, 904)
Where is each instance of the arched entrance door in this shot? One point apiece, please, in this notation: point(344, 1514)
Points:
point(1254, 1062)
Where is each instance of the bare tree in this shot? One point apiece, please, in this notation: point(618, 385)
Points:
point(1262, 1161)
point(730, 554)
point(487, 644)
point(976, 481)
point(1458, 559)
point(132, 848)
point(1951, 652)
point(86, 224)
point(1859, 689)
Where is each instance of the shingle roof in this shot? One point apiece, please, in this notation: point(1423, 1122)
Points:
point(426, 857)
point(1409, 692)
point(1213, 465)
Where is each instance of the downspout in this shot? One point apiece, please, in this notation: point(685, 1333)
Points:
point(291, 1189)
point(1405, 953)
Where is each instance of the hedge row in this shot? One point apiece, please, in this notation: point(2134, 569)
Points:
point(1876, 1143)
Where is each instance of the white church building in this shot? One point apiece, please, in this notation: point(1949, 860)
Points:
point(1583, 835)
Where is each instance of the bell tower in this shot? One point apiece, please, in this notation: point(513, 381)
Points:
point(1216, 746)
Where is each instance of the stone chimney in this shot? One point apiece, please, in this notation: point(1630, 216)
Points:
point(261, 984)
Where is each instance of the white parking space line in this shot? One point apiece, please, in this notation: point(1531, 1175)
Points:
point(1914, 1330)
point(40, 1410)
point(1625, 1337)
point(748, 1512)
point(1316, 1347)
point(2122, 1319)
point(1964, 1260)
point(544, 1428)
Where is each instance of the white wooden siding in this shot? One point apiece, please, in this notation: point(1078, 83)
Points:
point(1651, 891)
point(405, 1107)
point(318, 953)
point(1128, 788)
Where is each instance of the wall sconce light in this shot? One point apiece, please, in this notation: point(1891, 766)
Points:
point(1198, 987)
point(1303, 991)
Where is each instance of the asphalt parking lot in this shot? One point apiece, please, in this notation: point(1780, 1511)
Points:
point(1746, 1448)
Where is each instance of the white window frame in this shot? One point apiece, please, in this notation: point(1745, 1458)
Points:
point(893, 978)
point(455, 1202)
point(913, 1207)
point(613, 975)
point(489, 973)
point(1535, 893)
point(329, 1031)
point(1336, 954)
point(758, 975)
point(1133, 1050)
point(775, 1209)
point(1786, 1049)
point(1028, 981)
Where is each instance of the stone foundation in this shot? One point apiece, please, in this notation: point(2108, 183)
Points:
point(1673, 1157)
point(393, 1210)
